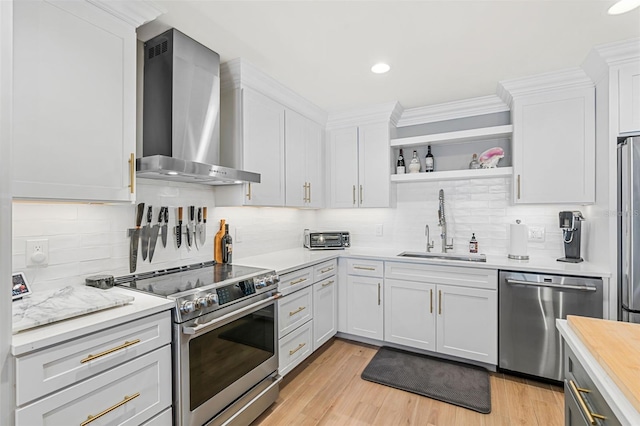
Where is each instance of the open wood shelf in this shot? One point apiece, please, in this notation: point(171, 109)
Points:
point(453, 175)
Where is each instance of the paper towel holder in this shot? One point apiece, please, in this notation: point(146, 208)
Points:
point(518, 256)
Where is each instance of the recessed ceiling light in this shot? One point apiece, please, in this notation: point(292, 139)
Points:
point(623, 6)
point(380, 68)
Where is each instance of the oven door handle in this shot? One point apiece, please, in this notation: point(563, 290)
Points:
point(231, 316)
point(551, 285)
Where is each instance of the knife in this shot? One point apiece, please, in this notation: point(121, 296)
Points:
point(155, 230)
point(198, 227)
point(146, 233)
point(179, 228)
point(190, 217)
point(135, 237)
point(203, 229)
point(165, 226)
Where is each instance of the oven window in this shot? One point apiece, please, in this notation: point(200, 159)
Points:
point(220, 357)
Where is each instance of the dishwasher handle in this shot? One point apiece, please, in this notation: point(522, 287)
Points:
point(551, 285)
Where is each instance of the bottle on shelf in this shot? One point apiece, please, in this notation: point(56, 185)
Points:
point(473, 244)
point(414, 166)
point(217, 243)
point(227, 245)
point(474, 164)
point(400, 169)
point(428, 161)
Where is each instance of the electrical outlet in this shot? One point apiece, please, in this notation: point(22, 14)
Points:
point(37, 252)
point(238, 238)
point(379, 230)
point(536, 233)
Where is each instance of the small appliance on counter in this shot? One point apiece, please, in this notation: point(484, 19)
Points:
point(518, 235)
point(571, 225)
point(326, 240)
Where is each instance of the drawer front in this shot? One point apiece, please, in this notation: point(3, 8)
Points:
point(163, 419)
point(128, 394)
point(295, 347)
point(593, 399)
point(294, 310)
point(295, 280)
point(325, 270)
point(450, 275)
point(48, 370)
point(365, 268)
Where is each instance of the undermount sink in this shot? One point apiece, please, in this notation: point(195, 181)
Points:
point(445, 256)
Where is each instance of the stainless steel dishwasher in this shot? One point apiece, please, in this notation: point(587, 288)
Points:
point(529, 303)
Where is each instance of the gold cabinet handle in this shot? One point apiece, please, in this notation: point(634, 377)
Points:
point(577, 392)
point(132, 172)
point(249, 191)
point(300, 309)
point(430, 301)
point(354, 195)
point(309, 186)
point(126, 399)
point(297, 281)
point(378, 294)
point(328, 283)
point(322, 271)
point(300, 346)
point(518, 187)
point(364, 268)
point(439, 302)
point(360, 194)
point(108, 351)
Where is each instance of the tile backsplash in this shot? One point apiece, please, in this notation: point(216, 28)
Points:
point(88, 239)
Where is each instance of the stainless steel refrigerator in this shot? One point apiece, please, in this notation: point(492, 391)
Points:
point(629, 229)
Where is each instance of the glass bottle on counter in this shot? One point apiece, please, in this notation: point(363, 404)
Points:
point(400, 169)
point(473, 244)
point(428, 161)
point(474, 164)
point(414, 166)
point(227, 245)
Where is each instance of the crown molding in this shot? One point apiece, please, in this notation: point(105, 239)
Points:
point(564, 79)
point(387, 112)
point(452, 110)
point(133, 12)
point(601, 58)
point(238, 73)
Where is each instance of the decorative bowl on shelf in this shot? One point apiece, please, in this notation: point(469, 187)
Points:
point(489, 159)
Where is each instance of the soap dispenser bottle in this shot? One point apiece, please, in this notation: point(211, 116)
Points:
point(473, 244)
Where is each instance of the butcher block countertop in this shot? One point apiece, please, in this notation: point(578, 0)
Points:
point(610, 353)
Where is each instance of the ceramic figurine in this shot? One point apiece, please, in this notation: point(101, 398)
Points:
point(489, 159)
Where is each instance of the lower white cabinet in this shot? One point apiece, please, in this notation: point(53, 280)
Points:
point(364, 306)
point(295, 310)
point(295, 347)
point(325, 311)
point(409, 313)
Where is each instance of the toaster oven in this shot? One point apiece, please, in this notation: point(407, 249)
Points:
point(326, 240)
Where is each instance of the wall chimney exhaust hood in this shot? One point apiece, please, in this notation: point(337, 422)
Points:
point(181, 114)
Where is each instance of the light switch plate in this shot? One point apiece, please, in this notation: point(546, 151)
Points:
point(536, 233)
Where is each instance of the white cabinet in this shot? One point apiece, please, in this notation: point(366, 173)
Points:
point(409, 314)
point(553, 138)
point(304, 162)
point(74, 102)
point(123, 372)
point(358, 160)
point(325, 311)
point(629, 98)
point(364, 304)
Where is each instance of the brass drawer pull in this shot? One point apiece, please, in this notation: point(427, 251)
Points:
point(132, 172)
point(249, 191)
point(354, 195)
point(430, 301)
point(300, 309)
point(439, 302)
point(360, 194)
point(297, 281)
point(126, 399)
point(108, 351)
point(326, 270)
point(300, 346)
point(378, 294)
point(328, 283)
point(518, 187)
point(583, 405)
point(364, 268)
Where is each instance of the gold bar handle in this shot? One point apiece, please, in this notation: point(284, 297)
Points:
point(518, 187)
point(126, 399)
point(364, 268)
point(309, 186)
point(132, 172)
point(328, 283)
point(249, 191)
point(300, 309)
point(430, 300)
point(439, 302)
point(297, 281)
point(108, 351)
point(322, 271)
point(378, 294)
point(354, 195)
point(360, 194)
point(300, 346)
point(590, 416)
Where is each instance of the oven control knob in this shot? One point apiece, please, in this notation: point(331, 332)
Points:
point(260, 284)
point(201, 303)
point(275, 278)
point(187, 307)
point(212, 299)
point(269, 280)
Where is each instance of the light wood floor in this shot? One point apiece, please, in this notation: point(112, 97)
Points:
point(326, 389)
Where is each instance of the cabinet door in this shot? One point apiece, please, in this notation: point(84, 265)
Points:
point(467, 323)
point(315, 165)
point(263, 148)
point(343, 167)
point(373, 164)
point(409, 314)
point(554, 147)
point(74, 102)
point(364, 307)
point(325, 311)
point(629, 98)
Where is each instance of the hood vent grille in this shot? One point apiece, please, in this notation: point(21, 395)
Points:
point(158, 49)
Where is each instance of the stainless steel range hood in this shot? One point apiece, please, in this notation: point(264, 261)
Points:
point(181, 113)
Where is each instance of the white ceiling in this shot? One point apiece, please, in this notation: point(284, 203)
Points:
point(439, 51)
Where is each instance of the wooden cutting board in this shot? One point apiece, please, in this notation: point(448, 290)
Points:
point(616, 346)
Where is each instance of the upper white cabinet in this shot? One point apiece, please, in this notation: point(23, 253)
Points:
point(629, 97)
point(553, 137)
point(74, 100)
point(304, 161)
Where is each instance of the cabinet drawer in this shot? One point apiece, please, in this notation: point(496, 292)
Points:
point(295, 280)
point(145, 383)
point(324, 270)
point(294, 310)
point(576, 374)
point(365, 268)
point(163, 419)
point(48, 370)
point(295, 347)
point(435, 274)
